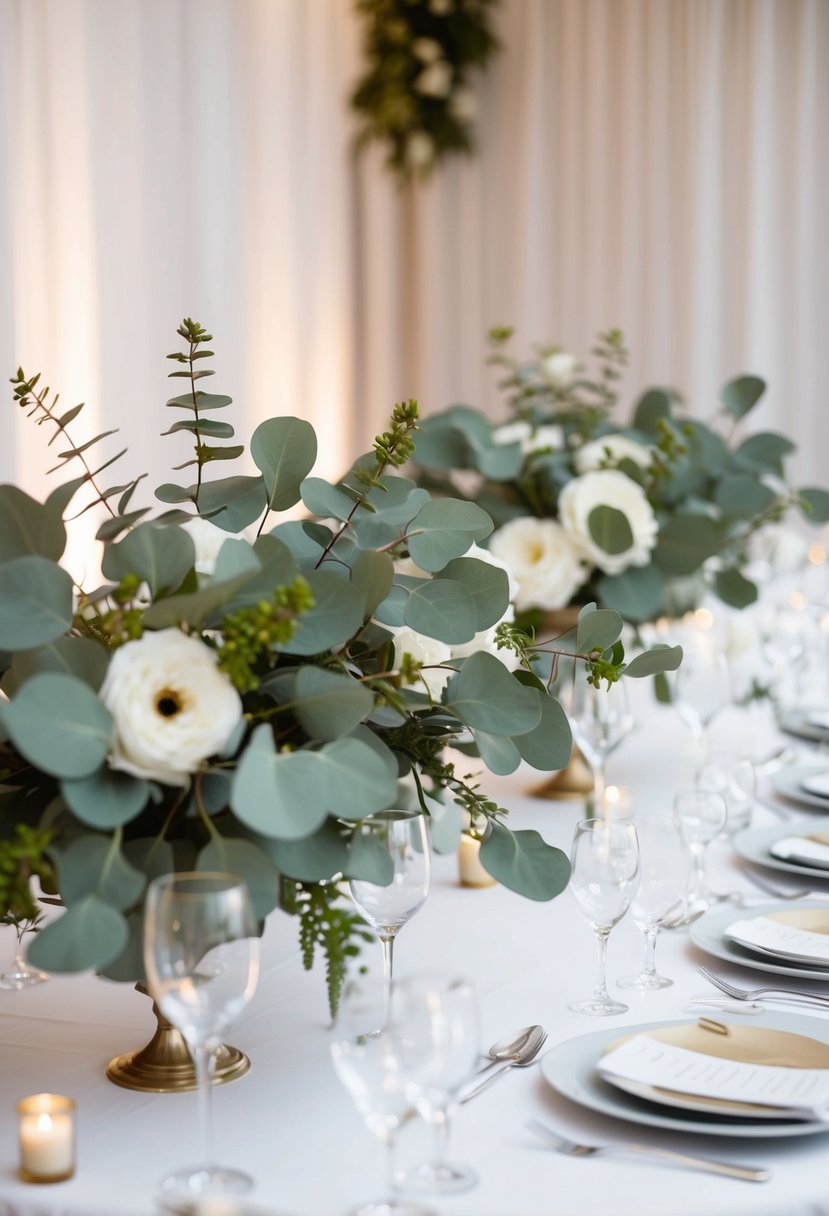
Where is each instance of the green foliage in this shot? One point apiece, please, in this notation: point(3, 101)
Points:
point(327, 924)
point(251, 635)
point(414, 95)
point(23, 856)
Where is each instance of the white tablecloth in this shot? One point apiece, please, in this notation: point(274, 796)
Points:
point(292, 1125)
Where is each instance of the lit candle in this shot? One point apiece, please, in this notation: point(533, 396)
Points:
point(47, 1138)
point(472, 873)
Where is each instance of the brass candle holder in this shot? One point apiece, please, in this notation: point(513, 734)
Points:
point(165, 1065)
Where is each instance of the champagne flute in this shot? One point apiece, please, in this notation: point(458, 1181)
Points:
point(733, 776)
point(21, 973)
point(405, 837)
point(700, 815)
point(603, 881)
point(434, 1027)
point(663, 881)
point(201, 955)
point(365, 1062)
point(600, 719)
point(703, 688)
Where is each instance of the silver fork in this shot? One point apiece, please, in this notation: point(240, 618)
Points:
point(814, 999)
point(562, 1145)
point(770, 888)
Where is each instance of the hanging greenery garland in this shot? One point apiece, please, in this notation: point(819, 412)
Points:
point(415, 95)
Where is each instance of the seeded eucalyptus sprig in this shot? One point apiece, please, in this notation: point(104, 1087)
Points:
point(252, 634)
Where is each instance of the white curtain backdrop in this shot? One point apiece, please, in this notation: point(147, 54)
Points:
point(657, 165)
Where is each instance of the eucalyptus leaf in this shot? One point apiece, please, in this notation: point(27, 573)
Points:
point(442, 608)
point(236, 557)
point(321, 498)
point(637, 594)
point(359, 782)
point(35, 603)
point(610, 529)
point(158, 555)
point(95, 865)
point(59, 725)
point(314, 858)
point(372, 574)
point(330, 705)
point(598, 630)
point(283, 795)
point(336, 616)
point(445, 824)
point(29, 528)
point(763, 452)
point(741, 394)
point(369, 860)
point(444, 529)
point(230, 855)
point(284, 450)
point(441, 445)
point(91, 934)
point(486, 583)
point(232, 503)
point(734, 588)
point(651, 662)
point(194, 608)
point(524, 863)
point(651, 408)
point(742, 496)
point(549, 745)
point(685, 542)
point(498, 752)
point(305, 539)
point(814, 503)
point(106, 799)
point(487, 697)
point(152, 855)
point(81, 657)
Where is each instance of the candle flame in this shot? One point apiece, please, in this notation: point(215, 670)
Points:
point(44, 1123)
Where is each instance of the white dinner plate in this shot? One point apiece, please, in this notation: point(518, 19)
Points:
point(707, 933)
point(788, 783)
point(570, 1069)
point(754, 843)
point(796, 722)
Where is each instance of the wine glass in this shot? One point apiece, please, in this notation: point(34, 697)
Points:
point(201, 955)
point(434, 1027)
point(405, 836)
point(700, 815)
point(600, 718)
point(603, 881)
point(21, 973)
point(733, 776)
point(702, 689)
point(663, 880)
point(365, 1062)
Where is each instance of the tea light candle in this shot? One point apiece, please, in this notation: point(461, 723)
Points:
point(46, 1131)
point(471, 872)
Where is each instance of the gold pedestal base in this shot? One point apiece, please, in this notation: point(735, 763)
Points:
point(165, 1066)
point(570, 783)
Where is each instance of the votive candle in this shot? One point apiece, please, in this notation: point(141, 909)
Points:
point(472, 873)
point(46, 1130)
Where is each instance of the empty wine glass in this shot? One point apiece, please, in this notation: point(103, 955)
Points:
point(702, 688)
point(366, 1064)
point(201, 954)
point(605, 874)
point(21, 973)
point(733, 776)
point(700, 815)
point(600, 719)
point(405, 837)
point(663, 865)
point(434, 1027)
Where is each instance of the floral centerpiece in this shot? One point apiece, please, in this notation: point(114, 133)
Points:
point(642, 514)
point(241, 702)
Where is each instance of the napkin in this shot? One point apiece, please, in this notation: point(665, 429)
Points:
point(784, 941)
point(818, 783)
point(800, 1092)
point(805, 849)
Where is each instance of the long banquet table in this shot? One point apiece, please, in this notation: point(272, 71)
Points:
point(292, 1125)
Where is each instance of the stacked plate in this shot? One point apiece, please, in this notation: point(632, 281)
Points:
point(766, 1078)
point(807, 784)
point(795, 848)
point(810, 724)
point(771, 937)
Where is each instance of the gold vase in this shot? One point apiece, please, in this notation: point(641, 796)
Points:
point(576, 780)
point(165, 1065)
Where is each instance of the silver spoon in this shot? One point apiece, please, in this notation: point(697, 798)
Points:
point(515, 1052)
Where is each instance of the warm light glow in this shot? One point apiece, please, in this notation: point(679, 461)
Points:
point(704, 618)
point(797, 600)
point(612, 795)
point(817, 555)
point(44, 1123)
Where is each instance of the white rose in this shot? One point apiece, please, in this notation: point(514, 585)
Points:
point(208, 540)
point(542, 558)
point(559, 368)
point(485, 640)
point(172, 707)
point(608, 488)
point(782, 549)
point(531, 439)
point(422, 649)
point(435, 80)
point(611, 450)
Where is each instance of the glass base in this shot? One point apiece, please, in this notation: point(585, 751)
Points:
point(599, 1009)
point(390, 1207)
point(21, 975)
point(646, 982)
point(444, 1178)
point(181, 1191)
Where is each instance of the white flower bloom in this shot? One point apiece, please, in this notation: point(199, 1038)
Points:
point(611, 450)
point(543, 559)
point(422, 649)
point(782, 549)
point(608, 488)
point(559, 369)
point(435, 80)
point(208, 540)
point(463, 105)
point(531, 439)
point(172, 707)
point(427, 50)
point(420, 150)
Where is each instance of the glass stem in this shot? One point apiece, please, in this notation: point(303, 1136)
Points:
point(203, 1059)
point(649, 967)
point(388, 1144)
point(387, 944)
point(698, 878)
point(600, 992)
point(441, 1121)
point(599, 787)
